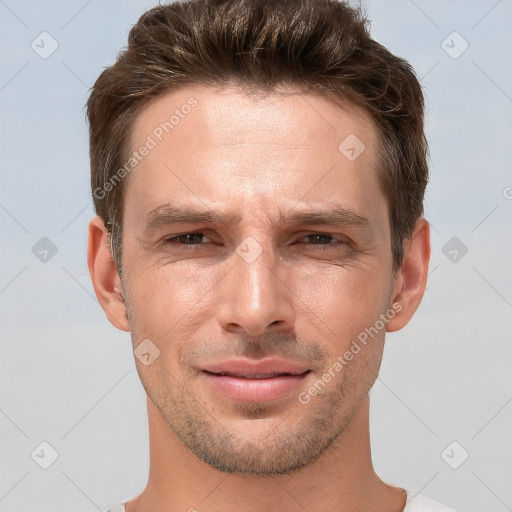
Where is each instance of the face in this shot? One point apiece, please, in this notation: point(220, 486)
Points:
point(256, 253)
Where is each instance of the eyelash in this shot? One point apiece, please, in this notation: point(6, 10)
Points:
point(335, 241)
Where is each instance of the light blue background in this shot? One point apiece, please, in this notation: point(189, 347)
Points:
point(68, 377)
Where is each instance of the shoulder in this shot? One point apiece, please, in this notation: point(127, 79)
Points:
point(420, 503)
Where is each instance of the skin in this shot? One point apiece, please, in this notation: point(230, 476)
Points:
point(305, 298)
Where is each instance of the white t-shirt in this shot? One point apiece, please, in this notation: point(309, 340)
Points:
point(415, 503)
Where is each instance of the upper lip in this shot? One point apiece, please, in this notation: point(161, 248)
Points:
point(263, 367)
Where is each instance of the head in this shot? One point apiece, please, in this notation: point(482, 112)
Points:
point(258, 170)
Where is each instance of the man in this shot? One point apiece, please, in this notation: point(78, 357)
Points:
point(258, 170)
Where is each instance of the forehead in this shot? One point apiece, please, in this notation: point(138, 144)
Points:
point(230, 116)
point(224, 147)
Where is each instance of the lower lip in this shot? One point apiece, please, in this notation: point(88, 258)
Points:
point(254, 390)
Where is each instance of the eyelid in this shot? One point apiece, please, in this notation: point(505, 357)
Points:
point(336, 238)
point(170, 239)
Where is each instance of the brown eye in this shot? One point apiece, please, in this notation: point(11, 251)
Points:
point(322, 239)
point(187, 239)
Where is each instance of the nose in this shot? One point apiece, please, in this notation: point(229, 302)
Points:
point(255, 296)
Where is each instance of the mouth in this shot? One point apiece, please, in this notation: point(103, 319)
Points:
point(254, 376)
point(255, 381)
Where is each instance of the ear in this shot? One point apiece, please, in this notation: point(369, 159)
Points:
point(104, 276)
point(411, 279)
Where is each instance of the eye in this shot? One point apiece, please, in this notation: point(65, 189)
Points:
point(187, 239)
point(322, 239)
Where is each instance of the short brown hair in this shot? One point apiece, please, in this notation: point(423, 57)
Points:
point(317, 46)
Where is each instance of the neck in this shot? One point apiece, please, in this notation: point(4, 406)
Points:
point(341, 480)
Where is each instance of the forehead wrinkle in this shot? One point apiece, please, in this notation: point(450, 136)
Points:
point(336, 215)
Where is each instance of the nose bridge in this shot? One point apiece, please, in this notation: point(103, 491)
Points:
point(254, 297)
point(257, 288)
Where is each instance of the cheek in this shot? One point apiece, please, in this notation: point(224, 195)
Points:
point(342, 301)
point(333, 304)
point(168, 299)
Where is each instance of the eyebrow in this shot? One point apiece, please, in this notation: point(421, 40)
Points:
point(336, 216)
point(172, 214)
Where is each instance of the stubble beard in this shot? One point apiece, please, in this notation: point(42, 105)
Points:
point(291, 444)
point(282, 446)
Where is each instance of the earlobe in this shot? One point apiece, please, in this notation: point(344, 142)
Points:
point(411, 279)
point(105, 278)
